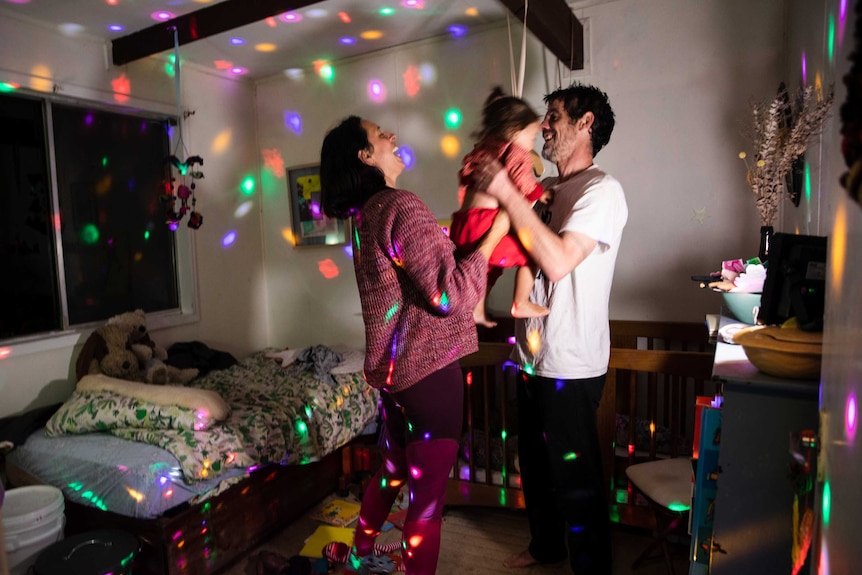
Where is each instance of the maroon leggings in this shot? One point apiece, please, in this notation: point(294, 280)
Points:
point(434, 408)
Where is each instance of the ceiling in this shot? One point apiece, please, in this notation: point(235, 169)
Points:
point(322, 31)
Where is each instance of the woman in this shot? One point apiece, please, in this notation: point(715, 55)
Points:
point(417, 294)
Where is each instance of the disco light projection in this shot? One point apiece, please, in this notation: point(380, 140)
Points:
point(41, 79)
point(413, 4)
point(428, 73)
point(237, 41)
point(265, 47)
point(348, 251)
point(115, 27)
point(122, 87)
point(387, 11)
point(222, 64)
point(453, 119)
point(326, 72)
point(407, 156)
point(162, 15)
point(273, 162)
point(295, 73)
point(371, 35)
point(89, 234)
point(830, 38)
point(221, 142)
point(170, 66)
point(5, 352)
point(850, 418)
point(70, 29)
point(457, 30)
point(288, 236)
point(247, 185)
point(328, 269)
point(377, 91)
point(228, 239)
point(317, 13)
point(293, 121)
point(412, 81)
point(344, 17)
point(291, 17)
point(804, 70)
point(238, 70)
point(347, 40)
point(450, 146)
point(8, 87)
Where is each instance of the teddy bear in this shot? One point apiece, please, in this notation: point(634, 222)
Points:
point(108, 351)
point(150, 355)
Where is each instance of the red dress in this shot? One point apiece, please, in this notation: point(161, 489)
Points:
point(468, 226)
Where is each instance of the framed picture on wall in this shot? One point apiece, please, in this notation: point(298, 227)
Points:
point(309, 224)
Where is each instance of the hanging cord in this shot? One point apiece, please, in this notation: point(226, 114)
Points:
point(518, 82)
point(178, 93)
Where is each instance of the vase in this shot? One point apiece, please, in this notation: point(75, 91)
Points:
point(765, 238)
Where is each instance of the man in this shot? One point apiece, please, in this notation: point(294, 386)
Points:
point(564, 355)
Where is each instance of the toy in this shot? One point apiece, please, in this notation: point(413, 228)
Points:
point(108, 351)
point(150, 355)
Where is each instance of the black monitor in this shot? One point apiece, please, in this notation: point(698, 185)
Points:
point(795, 283)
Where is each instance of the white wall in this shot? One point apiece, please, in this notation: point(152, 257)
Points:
point(232, 306)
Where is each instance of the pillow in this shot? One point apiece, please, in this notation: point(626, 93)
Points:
point(204, 400)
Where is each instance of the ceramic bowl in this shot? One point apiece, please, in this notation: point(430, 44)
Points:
point(744, 306)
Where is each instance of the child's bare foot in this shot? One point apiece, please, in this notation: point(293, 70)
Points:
point(528, 309)
point(480, 318)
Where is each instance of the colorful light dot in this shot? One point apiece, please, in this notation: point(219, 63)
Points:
point(238, 70)
point(228, 239)
point(347, 40)
point(850, 417)
point(453, 118)
point(457, 30)
point(407, 156)
point(115, 28)
point(387, 11)
point(344, 17)
point(291, 17)
point(161, 15)
point(237, 41)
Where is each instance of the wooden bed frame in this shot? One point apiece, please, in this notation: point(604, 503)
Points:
point(655, 372)
point(206, 538)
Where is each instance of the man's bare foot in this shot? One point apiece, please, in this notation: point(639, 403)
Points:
point(528, 309)
point(481, 319)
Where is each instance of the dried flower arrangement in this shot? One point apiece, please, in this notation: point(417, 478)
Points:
point(779, 132)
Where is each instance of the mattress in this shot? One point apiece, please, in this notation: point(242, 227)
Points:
point(126, 477)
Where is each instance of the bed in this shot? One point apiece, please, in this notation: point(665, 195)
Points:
point(200, 490)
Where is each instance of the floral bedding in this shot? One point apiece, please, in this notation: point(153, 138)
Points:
point(277, 416)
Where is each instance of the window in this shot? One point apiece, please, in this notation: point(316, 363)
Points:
point(82, 229)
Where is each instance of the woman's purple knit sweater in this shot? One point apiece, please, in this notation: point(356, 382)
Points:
point(417, 292)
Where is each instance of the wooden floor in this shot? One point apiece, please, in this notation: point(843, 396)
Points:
point(476, 541)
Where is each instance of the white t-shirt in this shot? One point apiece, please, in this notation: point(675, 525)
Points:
point(573, 341)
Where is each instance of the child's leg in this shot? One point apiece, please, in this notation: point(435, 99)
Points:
point(521, 304)
point(479, 316)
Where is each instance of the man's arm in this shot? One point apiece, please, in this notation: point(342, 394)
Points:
point(556, 255)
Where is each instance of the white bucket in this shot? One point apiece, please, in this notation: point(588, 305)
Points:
point(33, 519)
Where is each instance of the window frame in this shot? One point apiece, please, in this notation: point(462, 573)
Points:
point(185, 261)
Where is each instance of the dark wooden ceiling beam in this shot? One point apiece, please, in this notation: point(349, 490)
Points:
point(199, 24)
point(556, 26)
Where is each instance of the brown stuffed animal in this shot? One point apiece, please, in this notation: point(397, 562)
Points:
point(150, 355)
point(108, 351)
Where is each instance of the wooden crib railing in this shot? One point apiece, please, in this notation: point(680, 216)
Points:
point(656, 371)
